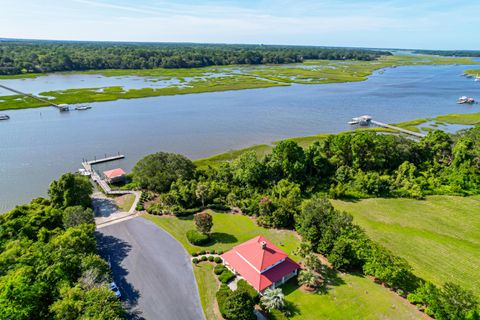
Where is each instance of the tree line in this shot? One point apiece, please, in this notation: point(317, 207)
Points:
point(49, 266)
point(450, 53)
point(288, 189)
point(30, 56)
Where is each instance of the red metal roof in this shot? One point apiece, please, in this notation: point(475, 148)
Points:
point(258, 257)
point(114, 173)
point(247, 259)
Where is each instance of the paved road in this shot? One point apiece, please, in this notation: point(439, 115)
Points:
point(153, 271)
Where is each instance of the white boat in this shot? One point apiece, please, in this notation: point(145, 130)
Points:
point(80, 108)
point(465, 99)
point(4, 117)
point(362, 120)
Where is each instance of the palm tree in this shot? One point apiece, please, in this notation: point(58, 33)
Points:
point(273, 299)
point(308, 278)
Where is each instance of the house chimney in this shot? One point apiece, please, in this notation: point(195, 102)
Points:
point(263, 244)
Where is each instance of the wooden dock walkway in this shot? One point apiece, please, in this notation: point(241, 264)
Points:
point(87, 165)
point(385, 125)
point(58, 106)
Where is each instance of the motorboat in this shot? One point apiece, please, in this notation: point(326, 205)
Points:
point(465, 100)
point(4, 117)
point(81, 108)
point(362, 120)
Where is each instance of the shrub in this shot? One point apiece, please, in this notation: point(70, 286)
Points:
point(195, 260)
point(204, 258)
point(218, 260)
point(226, 276)
point(202, 252)
point(219, 268)
point(220, 252)
point(276, 314)
point(197, 238)
point(155, 209)
point(213, 252)
point(243, 286)
point(222, 294)
point(210, 258)
point(194, 254)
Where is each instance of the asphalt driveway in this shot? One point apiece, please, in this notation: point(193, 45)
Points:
point(153, 271)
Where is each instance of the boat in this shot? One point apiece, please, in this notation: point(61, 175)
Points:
point(477, 78)
point(465, 100)
point(4, 117)
point(63, 107)
point(362, 120)
point(80, 108)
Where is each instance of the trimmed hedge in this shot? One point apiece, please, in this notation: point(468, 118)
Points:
point(226, 276)
point(222, 295)
point(244, 286)
point(197, 238)
point(195, 260)
point(218, 260)
point(210, 258)
point(219, 268)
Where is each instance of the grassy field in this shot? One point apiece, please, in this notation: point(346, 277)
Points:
point(207, 286)
point(439, 236)
point(348, 297)
point(228, 230)
point(354, 297)
point(223, 78)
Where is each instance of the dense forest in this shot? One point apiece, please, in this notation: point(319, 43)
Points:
point(49, 266)
point(25, 56)
point(288, 189)
point(451, 53)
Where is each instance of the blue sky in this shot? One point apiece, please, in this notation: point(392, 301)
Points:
point(437, 24)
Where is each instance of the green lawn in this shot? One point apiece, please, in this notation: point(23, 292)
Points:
point(127, 202)
point(356, 298)
point(350, 297)
point(228, 231)
point(439, 236)
point(207, 286)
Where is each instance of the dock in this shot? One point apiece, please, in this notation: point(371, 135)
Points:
point(389, 126)
point(58, 106)
point(368, 120)
point(87, 165)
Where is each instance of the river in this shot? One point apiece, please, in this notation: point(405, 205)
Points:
point(38, 145)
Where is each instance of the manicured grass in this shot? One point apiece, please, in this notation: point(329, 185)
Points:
point(354, 297)
point(439, 236)
point(126, 202)
point(228, 231)
point(348, 297)
point(207, 286)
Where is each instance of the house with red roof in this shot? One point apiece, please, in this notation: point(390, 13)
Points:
point(115, 175)
point(260, 263)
